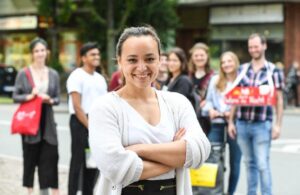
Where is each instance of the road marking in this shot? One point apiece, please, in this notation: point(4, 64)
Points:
point(285, 141)
point(289, 146)
point(59, 128)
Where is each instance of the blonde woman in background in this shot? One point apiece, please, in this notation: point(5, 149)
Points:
point(219, 113)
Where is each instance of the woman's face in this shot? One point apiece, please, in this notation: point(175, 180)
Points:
point(228, 64)
point(139, 61)
point(174, 63)
point(39, 53)
point(199, 58)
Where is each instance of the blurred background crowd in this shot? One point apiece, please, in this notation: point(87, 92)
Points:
point(222, 25)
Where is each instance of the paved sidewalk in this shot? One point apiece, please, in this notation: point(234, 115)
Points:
point(11, 168)
point(11, 178)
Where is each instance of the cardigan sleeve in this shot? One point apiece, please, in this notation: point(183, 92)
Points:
point(197, 145)
point(56, 93)
point(118, 165)
point(20, 93)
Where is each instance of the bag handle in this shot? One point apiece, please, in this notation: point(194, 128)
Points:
point(29, 77)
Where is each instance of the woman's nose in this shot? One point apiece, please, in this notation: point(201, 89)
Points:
point(141, 66)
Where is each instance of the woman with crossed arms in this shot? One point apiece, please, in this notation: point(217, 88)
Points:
point(144, 140)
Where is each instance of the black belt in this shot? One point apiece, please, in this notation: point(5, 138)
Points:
point(153, 186)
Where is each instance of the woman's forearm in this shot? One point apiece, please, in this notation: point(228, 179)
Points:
point(171, 154)
point(153, 169)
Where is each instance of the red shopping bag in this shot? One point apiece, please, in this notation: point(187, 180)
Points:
point(26, 119)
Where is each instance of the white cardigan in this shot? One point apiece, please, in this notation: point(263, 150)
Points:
point(108, 135)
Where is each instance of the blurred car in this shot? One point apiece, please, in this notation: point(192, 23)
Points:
point(7, 79)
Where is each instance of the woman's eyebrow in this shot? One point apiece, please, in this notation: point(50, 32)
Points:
point(132, 55)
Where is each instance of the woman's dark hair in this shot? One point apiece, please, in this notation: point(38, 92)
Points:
point(36, 41)
point(182, 58)
point(137, 32)
point(87, 47)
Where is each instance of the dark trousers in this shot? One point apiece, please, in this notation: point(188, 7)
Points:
point(44, 156)
point(204, 122)
point(151, 187)
point(79, 135)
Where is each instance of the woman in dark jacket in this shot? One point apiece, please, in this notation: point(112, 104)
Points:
point(40, 150)
point(179, 80)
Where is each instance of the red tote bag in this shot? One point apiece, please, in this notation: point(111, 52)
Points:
point(26, 119)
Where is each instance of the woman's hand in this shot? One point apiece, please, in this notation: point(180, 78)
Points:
point(231, 130)
point(226, 115)
point(34, 93)
point(202, 103)
point(135, 148)
point(179, 134)
point(138, 147)
point(46, 98)
point(214, 114)
point(275, 132)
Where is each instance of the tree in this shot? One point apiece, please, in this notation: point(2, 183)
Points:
point(103, 20)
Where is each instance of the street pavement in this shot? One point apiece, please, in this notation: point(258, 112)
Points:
point(11, 173)
point(11, 167)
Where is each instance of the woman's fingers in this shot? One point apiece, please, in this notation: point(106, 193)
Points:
point(179, 134)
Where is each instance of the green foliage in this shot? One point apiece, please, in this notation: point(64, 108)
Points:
point(62, 10)
point(90, 17)
point(161, 14)
point(92, 20)
point(54, 63)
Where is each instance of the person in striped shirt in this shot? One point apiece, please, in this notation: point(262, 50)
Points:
point(254, 128)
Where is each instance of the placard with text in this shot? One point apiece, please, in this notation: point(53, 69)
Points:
point(251, 96)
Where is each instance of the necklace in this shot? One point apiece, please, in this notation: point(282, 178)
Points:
point(39, 73)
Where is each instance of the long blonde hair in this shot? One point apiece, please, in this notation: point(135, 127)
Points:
point(222, 81)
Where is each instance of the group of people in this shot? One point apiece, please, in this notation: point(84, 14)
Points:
point(142, 136)
point(84, 86)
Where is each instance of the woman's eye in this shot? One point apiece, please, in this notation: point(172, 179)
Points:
point(150, 60)
point(131, 61)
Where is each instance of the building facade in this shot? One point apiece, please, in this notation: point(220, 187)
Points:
point(20, 23)
point(226, 25)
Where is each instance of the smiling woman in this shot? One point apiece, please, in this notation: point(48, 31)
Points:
point(219, 112)
point(40, 150)
point(139, 61)
point(143, 140)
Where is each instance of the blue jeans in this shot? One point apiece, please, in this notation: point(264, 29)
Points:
point(216, 134)
point(254, 139)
